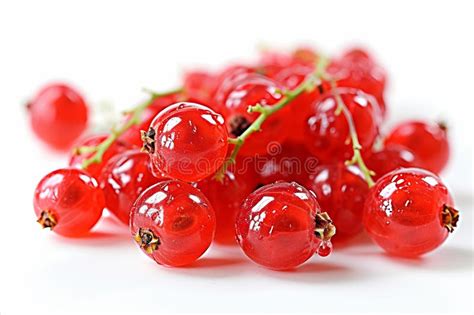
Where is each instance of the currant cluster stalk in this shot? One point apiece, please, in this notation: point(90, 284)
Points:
point(134, 119)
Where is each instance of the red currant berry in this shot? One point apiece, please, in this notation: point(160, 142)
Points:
point(328, 135)
point(69, 202)
point(123, 179)
point(281, 225)
point(390, 158)
point(58, 115)
point(226, 80)
point(251, 90)
point(95, 169)
point(428, 142)
point(226, 196)
point(409, 212)
point(132, 135)
point(173, 223)
point(187, 141)
point(200, 86)
point(357, 69)
point(341, 191)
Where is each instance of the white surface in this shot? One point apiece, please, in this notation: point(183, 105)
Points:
point(110, 51)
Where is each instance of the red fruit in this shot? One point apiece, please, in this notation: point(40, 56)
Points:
point(281, 225)
point(428, 142)
point(123, 179)
point(200, 86)
point(173, 223)
point(390, 158)
point(409, 212)
point(341, 191)
point(251, 90)
point(357, 69)
point(226, 81)
point(68, 201)
point(132, 135)
point(328, 135)
point(95, 169)
point(226, 196)
point(58, 115)
point(187, 141)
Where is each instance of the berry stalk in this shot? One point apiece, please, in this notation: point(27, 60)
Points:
point(136, 113)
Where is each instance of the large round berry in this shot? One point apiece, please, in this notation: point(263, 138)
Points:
point(95, 169)
point(409, 212)
point(341, 191)
point(428, 142)
point(173, 223)
point(58, 115)
point(68, 201)
point(328, 136)
point(281, 225)
point(123, 179)
point(390, 158)
point(226, 196)
point(251, 90)
point(187, 141)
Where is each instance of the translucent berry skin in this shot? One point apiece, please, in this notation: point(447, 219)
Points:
point(95, 169)
point(132, 135)
point(200, 86)
point(123, 179)
point(341, 191)
point(179, 219)
point(188, 141)
point(428, 142)
point(248, 91)
point(328, 135)
point(390, 158)
point(276, 226)
point(58, 115)
point(226, 198)
point(403, 212)
point(68, 201)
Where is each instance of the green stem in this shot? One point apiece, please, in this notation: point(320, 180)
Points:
point(135, 118)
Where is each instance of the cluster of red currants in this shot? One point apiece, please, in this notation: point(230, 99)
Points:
point(273, 156)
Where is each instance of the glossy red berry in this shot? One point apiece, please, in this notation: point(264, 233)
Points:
point(390, 158)
point(328, 135)
point(248, 91)
point(173, 223)
point(200, 86)
point(341, 191)
point(68, 201)
point(281, 225)
point(409, 212)
point(226, 196)
point(95, 169)
point(428, 142)
point(58, 115)
point(123, 179)
point(187, 141)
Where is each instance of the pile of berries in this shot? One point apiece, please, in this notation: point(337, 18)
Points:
point(274, 156)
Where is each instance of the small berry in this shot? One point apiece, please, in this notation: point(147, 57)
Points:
point(187, 141)
point(341, 191)
point(200, 86)
point(123, 179)
point(68, 201)
point(390, 158)
point(428, 142)
point(281, 225)
point(328, 135)
point(409, 212)
point(95, 169)
point(58, 115)
point(173, 223)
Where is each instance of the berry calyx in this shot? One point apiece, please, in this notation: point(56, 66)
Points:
point(68, 201)
point(173, 223)
point(400, 217)
point(58, 115)
point(187, 141)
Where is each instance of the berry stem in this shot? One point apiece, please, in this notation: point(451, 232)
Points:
point(116, 132)
point(266, 111)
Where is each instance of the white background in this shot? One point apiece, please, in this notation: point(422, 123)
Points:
point(110, 50)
